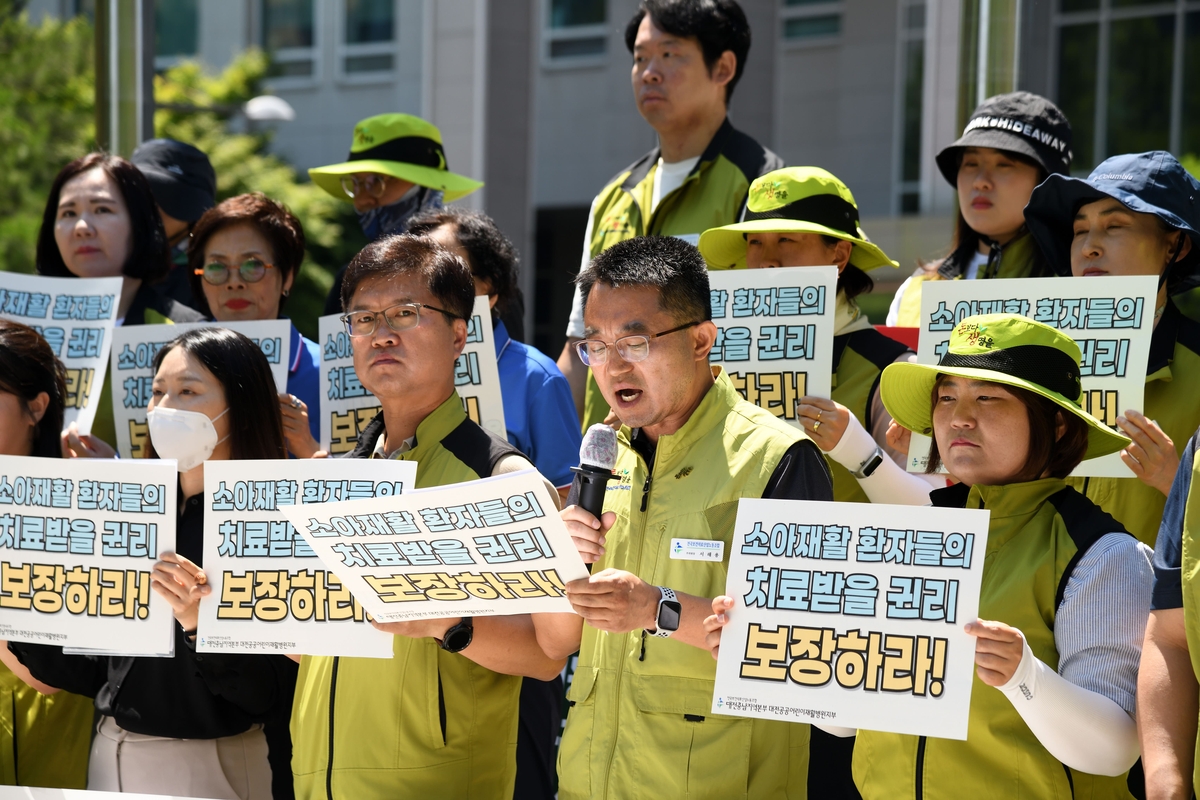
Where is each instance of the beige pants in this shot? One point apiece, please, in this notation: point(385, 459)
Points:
point(231, 768)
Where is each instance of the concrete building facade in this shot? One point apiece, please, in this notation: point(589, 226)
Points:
point(534, 96)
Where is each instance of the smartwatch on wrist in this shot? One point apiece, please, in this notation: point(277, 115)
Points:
point(669, 610)
point(868, 467)
point(458, 637)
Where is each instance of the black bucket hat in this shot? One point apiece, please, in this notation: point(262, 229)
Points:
point(1148, 183)
point(180, 176)
point(1019, 122)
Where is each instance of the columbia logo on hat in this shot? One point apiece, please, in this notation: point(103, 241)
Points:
point(1113, 176)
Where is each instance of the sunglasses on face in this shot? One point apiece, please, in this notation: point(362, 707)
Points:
point(252, 271)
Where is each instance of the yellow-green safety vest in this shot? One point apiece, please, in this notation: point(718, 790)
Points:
point(1189, 577)
point(712, 195)
point(858, 361)
point(1016, 260)
point(1173, 401)
point(425, 723)
point(641, 721)
point(44, 739)
point(1036, 530)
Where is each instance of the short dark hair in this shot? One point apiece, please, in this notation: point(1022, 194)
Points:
point(718, 25)
point(28, 368)
point(1049, 453)
point(667, 263)
point(492, 256)
point(446, 276)
point(273, 220)
point(255, 423)
point(149, 256)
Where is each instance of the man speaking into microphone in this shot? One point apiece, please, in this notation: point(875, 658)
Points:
point(640, 722)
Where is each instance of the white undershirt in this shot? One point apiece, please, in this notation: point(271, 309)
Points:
point(669, 177)
point(978, 260)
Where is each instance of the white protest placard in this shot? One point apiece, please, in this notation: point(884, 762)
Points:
point(775, 333)
point(270, 593)
point(78, 541)
point(133, 354)
point(1110, 318)
point(476, 375)
point(75, 316)
point(489, 547)
point(347, 407)
point(852, 614)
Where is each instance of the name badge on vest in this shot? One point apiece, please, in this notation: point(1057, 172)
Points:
point(698, 549)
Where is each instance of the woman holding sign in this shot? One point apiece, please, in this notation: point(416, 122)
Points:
point(1009, 146)
point(1136, 215)
point(1065, 591)
point(44, 733)
point(100, 221)
point(191, 725)
point(244, 257)
point(806, 217)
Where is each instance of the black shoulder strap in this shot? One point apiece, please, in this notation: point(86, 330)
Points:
point(1086, 522)
point(479, 449)
point(367, 439)
point(872, 345)
point(954, 496)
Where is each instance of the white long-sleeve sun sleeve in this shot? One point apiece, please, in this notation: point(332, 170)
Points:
point(889, 483)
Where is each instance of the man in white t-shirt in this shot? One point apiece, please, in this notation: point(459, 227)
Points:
point(687, 57)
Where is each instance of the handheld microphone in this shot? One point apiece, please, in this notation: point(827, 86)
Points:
point(597, 457)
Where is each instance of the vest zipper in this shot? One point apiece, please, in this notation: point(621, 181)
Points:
point(332, 698)
point(919, 792)
point(621, 665)
point(441, 706)
point(1070, 779)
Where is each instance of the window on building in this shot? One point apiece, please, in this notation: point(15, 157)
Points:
point(175, 26)
point(910, 86)
point(370, 33)
point(810, 20)
point(289, 37)
point(1128, 76)
point(575, 30)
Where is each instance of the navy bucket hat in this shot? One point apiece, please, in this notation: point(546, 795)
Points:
point(1148, 183)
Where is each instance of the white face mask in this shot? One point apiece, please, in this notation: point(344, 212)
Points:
point(189, 437)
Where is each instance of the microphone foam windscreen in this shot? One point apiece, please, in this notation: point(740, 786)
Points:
point(599, 448)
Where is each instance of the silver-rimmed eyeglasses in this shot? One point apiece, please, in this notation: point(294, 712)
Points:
point(594, 352)
point(401, 317)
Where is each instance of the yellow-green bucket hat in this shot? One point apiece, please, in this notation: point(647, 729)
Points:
point(999, 348)
point(800, 200)
point(399, 145)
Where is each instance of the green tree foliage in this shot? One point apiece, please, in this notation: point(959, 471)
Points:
point(243, 164)
point(47, 119)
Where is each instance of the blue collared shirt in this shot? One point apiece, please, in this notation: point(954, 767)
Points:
point(304, 378)
point(539, 410)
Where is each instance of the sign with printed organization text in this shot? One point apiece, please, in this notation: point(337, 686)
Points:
point(78, 541)
point(488, 547)
point(75, 316)
point(270, 593)
point(132, 369)
point(1110, 318)
point(775, 333)
point(852, 614)
point(347, 407)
